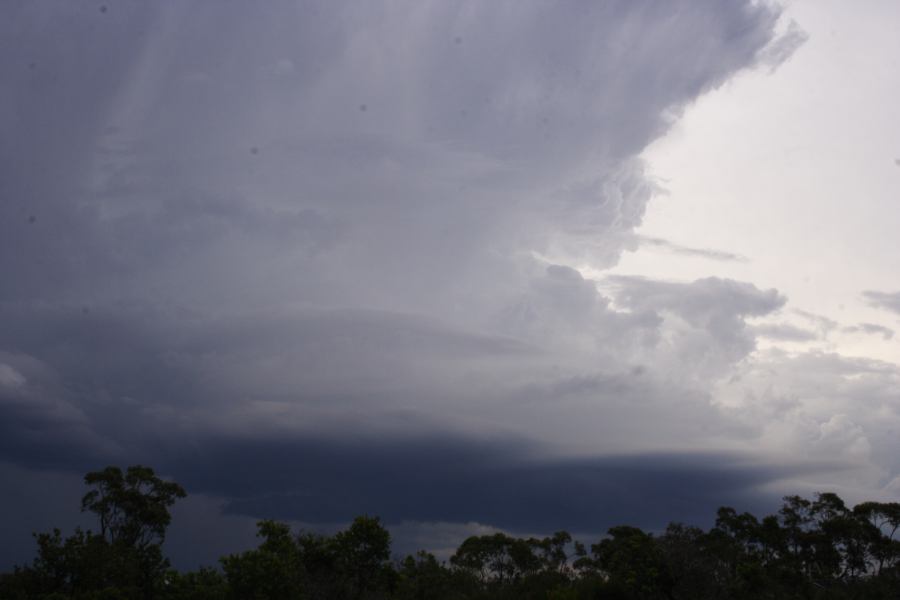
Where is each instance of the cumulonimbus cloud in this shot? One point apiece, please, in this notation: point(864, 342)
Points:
point(231, 222)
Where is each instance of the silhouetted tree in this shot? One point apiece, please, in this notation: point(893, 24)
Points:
point(812, 549)
point(124, 560)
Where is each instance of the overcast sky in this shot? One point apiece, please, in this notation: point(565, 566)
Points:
point(463, 265)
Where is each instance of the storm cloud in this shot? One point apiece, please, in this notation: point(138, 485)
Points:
point(315, 260)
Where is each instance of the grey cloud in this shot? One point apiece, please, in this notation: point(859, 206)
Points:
point(140, 211)
point(674, 248)
point(823, 324)
point(785, 332)
point(201, 533)
point(38, 501)
point(825, 405)
point(206, 269)
point(215, 262)
point(872, 329)
point(40, 424)
point(123, 367)
point(820, 320)
point(718, 306)
point(782, 48)
point(699, 299)
point(705, 319)
point(844, 365)
point(205, 234)
point(130, 385)
point(10, 377)
point(887, 300)
point(500, 482)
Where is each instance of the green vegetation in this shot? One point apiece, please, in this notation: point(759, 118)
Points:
point(811, 549)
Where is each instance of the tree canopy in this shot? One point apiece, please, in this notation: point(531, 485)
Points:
point(132, 507)
point(811, 549)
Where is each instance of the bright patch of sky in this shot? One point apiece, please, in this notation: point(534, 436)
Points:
point(793, 177)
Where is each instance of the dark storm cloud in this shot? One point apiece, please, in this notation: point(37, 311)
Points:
point(38, 501)
point(115, 381)
point(127, 148)
point(506, 483)
point(47, 435)
point(225, 221)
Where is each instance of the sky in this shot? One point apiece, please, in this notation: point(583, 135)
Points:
point(463, 265)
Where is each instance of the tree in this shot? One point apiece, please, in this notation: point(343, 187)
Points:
point(203, 584)
point(633, 563)
point(817, 549)
point(422, 577)
point(271, 572)
point(133, 510)
point(883, 520)
point(495, 558)
point(351, 565)
point(124, 560)
point(682, 549)
point(363, 551)
point(133, 507)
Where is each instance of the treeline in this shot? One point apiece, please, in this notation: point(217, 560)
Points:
point(810, 549)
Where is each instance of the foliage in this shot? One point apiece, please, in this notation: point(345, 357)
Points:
point(352, 565)
point(812, 549)
point(124, 561)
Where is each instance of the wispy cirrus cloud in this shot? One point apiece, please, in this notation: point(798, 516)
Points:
point(679, 249)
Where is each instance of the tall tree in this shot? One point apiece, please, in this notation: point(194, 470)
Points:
point(133, 507)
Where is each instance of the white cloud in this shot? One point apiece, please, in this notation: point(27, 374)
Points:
point(821, 406)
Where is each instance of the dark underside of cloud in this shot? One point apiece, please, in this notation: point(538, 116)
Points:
point(442, 480)
point(501, 483)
